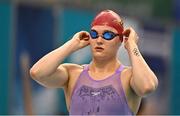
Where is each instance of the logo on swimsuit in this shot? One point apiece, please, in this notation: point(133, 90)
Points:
point(95, 93)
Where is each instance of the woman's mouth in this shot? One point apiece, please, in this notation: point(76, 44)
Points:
point(99, 49)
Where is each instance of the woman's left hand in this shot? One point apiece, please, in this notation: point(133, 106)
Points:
point(130, 38)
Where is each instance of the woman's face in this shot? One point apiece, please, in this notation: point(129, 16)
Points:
point(102, 48)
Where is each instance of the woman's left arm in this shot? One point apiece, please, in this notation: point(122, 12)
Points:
point(143, 80)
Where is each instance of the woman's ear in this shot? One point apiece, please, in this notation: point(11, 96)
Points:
point(121, 37)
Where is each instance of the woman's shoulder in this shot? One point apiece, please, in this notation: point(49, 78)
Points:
point(126, 72)
point(74, 67)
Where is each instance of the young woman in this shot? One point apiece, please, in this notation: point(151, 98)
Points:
point(105, 86)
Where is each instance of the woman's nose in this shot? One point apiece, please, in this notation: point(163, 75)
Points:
point(99, 40)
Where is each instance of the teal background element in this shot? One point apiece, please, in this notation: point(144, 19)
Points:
point(175, 70)
point(5, 30)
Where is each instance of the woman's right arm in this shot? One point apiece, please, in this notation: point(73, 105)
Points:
point(49, 71)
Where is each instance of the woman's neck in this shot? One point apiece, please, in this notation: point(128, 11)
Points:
point(104, 65)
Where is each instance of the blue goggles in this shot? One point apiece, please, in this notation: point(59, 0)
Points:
point(107, 35)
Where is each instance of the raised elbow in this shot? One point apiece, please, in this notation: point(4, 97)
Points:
point(148, 88)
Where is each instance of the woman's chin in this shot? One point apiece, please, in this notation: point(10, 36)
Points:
point(99, 56)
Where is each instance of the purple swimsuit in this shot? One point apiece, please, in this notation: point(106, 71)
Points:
point(99, 97)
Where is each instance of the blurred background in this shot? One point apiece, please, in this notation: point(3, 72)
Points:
point(30, 29)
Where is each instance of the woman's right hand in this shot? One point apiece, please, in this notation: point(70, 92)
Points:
point(82, 39)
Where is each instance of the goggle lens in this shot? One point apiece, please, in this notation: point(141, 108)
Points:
point(107, 35)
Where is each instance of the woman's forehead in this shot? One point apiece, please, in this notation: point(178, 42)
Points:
point(101, 28)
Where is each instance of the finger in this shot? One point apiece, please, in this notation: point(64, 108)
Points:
point(126, 32)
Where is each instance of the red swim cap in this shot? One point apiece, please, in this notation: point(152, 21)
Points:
point(109, 18)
